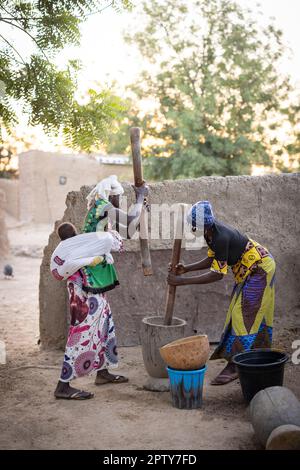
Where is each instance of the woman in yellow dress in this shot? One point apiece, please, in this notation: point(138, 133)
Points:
point(249, 320)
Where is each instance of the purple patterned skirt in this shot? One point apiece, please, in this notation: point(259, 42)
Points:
point(91, 344)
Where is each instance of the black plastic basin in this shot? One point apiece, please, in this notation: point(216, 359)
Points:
point(259, 369)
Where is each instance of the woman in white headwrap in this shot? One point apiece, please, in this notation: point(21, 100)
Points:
point(106, 188)
point(91, 344)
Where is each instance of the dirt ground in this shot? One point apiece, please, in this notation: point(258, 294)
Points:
point(119, 416)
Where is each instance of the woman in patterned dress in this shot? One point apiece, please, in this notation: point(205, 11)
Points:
point(249, 320)
point(91, 344)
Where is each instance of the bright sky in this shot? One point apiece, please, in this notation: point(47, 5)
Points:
point(106, 57)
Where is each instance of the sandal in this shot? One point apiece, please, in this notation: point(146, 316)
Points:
point(78, 395)
point(116, 379)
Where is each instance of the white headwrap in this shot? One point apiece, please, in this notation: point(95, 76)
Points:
point(109, 186)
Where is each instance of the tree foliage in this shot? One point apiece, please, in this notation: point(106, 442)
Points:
point(215, 80)
point(46, 93)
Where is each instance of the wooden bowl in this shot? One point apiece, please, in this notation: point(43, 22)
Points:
point(189, 353)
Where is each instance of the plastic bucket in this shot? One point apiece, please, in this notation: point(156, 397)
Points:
point(259, 369)
point(186, 387)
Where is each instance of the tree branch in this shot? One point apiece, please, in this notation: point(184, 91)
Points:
point(28, 34)
point(22, 18)
point(11, 58)
point(12, 47)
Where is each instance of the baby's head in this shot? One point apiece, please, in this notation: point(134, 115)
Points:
point(66, 230)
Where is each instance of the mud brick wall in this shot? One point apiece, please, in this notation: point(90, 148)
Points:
point(266, 208)
point(39, 192)
point(4, 243)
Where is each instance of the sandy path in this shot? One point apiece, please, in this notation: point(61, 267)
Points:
point(120, 416)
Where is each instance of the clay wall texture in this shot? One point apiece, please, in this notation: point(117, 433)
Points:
point(4, 243)
point(10, 187)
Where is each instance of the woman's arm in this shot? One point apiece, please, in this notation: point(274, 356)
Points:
point(205, 278)
point(203, 264)
point(129, 221)
point(185, 268)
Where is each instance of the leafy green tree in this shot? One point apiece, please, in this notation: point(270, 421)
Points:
point(213, 74)
point(119, 140)
point(44, 92)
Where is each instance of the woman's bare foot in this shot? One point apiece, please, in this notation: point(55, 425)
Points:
point(104, 377)
point(227, 375)
point(64, 391)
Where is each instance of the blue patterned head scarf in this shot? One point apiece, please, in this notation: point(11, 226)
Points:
point(201, 215)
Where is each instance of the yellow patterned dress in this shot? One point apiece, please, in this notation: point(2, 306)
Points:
point(249, 320)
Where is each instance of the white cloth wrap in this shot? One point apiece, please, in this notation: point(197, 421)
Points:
point(109, 186)
point(76, 252)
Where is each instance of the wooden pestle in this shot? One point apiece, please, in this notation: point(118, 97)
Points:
point(135, 139)
point(176, 251)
